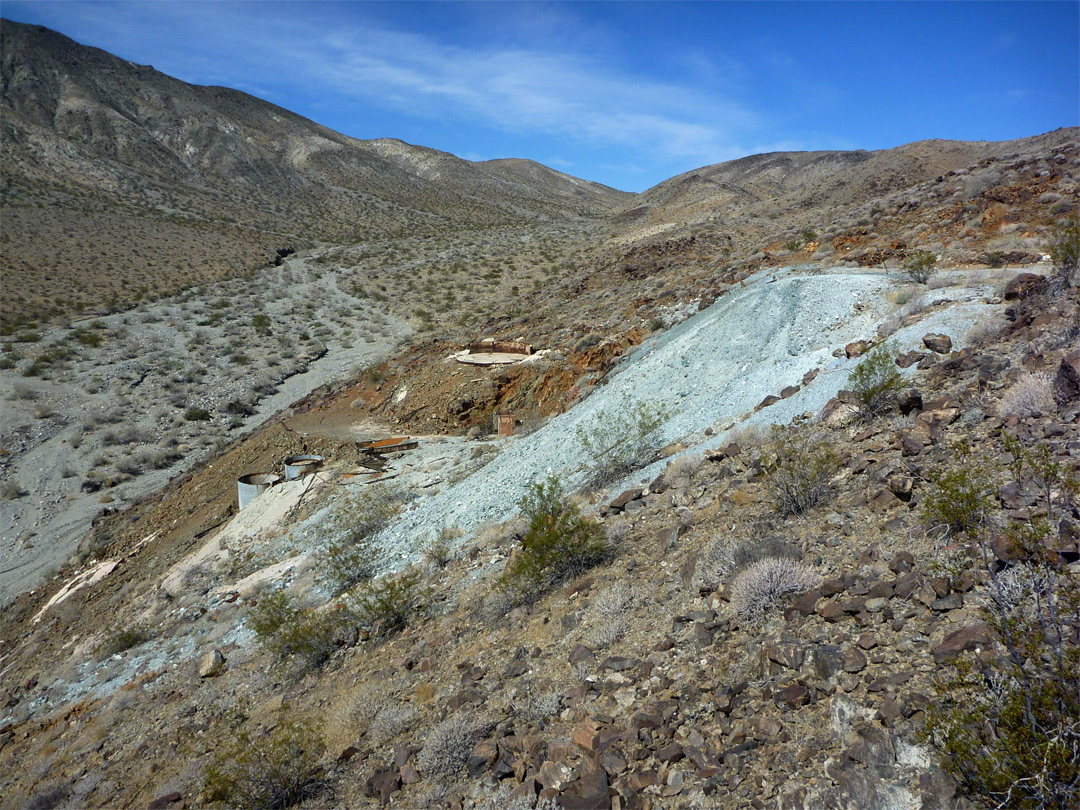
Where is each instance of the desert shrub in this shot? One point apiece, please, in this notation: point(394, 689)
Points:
point(11, 490)
point(958, 502)
point(684, 466)
point(802, 465)
point(1032, 393)
point(291, 633)
point(619, 443)
point(196, 414)
point(390, 721)
point(124, 638)
point(611, 609)
point(759, 588)
point(261, 324)
point(557, 545)
point(1065, 250)
point(1009, 728)
point(346, 560)
point(920, 266)
point(447, 747)
point(875, 381)
point(268, 773)
point(386, 606)
point(440, 551)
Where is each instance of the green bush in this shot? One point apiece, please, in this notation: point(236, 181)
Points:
point(1065, 250)
point(124, 639)
point(268, 773)
point(1008, 727)
point(959, 500)
point(876, 382)
point(619, 443)
point(291, 633)
point(802, 465)
point(557, 545)
point(387, 605)
point(920, 266)
point(195, 414)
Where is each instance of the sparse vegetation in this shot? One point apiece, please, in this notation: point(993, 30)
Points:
point(387, 605)
point(1032, 393)
point(117, 641)
point(761, 587)
point(292, 633)
point(619, 443)
point(1065, 250)
point(196, 414)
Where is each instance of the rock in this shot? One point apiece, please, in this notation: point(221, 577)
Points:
point(618, 663)
point(626, 497)
point(871, 746)
point(771, 399)
point(555, 775)
point(903, 562)
point(794, 694)
point(671, 753)
point(854, 660)
point(803, 605)
point(789, 390)
point(962, 640)
point(1024, 285)
point(483, 756)
point(586, 737)
point(383, 784)
point(856, 348)
point(211, 664)
point(828, 661)
point(947, 603)
point(1067, 380)
point(170, 801)
point(911, 443)
point(942, 344)
point(910, 400)
point(580, 653)
point(909, 359)
point(589, 791)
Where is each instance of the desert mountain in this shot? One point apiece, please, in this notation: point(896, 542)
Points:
point(201, 182)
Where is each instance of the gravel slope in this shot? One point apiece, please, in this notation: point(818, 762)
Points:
point(708, 370)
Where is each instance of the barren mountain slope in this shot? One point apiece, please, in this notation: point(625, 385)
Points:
point(167, 183)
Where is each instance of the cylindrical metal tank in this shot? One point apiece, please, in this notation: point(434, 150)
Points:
point(249, 486)
point(299, 466)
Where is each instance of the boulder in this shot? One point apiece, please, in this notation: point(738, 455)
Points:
point(966, 638)
point(856, 348)
point(1067, 380)
point(211, 664)
point(942, 344)
point(1023, 286)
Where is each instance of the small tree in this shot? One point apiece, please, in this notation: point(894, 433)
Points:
point(920, 266)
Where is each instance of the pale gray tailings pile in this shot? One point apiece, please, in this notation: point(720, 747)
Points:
point(708, 370)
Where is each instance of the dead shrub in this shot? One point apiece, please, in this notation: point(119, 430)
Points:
point(1032, 393)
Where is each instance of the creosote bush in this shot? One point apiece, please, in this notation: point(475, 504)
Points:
point(346, 561)
point(117, 641)
point(920, 266)
point(619, 443)
point(876, 382)
point(958, 502)
point(1008, 727)
point(557, 545)
point(268, 773)
point(387, 605)
point(1065, 250)
point(803, 463)
point(293, 633)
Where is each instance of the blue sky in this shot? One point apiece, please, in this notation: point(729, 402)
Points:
point(627, 94)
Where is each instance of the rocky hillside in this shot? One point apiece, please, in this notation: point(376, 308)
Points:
point(672, 670)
